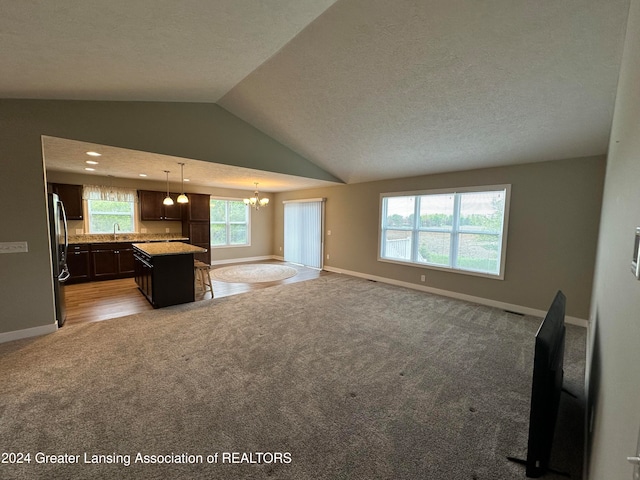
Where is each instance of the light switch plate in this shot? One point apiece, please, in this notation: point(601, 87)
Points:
point(14, 247)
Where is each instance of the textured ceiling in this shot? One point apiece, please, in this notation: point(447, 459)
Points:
point(192, 51)
point(71, 156)
point(376, 89)
point(365, 89)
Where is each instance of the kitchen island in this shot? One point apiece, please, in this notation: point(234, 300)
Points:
point(96, 257)
point(164, 272)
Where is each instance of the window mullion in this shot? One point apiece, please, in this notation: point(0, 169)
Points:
point(415, 235)
point(455, 231)
point(227, 220)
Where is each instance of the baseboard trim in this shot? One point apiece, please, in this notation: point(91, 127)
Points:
point(243, 260)
point(28, 332)
point(460, 296)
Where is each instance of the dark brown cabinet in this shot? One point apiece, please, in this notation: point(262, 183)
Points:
point(165, 279)
point(126, 262)
point(199, 207)
point(152, 208)
point(111, 260)
point(199, 235)
point(71, 197)
point(79, 263)
point(196, 224)
point(103, 262)
point(144, 274)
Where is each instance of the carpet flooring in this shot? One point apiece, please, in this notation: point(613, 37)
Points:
point(332, 378)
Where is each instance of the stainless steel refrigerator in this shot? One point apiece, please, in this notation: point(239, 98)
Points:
point(59, 243)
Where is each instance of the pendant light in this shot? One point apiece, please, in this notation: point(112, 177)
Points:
point(182, 198)
point(167, 200)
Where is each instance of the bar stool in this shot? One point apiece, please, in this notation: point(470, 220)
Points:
point(203, 277)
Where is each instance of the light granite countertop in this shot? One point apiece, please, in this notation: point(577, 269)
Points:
point(125, 237)
point(168, 248)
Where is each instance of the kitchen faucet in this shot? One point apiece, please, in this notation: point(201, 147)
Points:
point(114, 229)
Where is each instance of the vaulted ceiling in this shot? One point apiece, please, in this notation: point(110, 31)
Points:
point(365, 89)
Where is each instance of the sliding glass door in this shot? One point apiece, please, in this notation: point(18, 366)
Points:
point(303, 223)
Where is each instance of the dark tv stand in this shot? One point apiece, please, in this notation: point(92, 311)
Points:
point(520, 461)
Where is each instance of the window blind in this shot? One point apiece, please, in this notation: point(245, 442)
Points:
point(303, 232)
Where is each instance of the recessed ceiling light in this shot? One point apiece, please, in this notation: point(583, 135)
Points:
point(142, 174)
point(91, 162)
point(94, 154)
point(90, 169)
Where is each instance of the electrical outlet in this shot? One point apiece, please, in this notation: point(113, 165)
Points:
point(327, 256)
point(280, 248)
point(422, 278)
point(328, 232)
point(167, 230)
point(79, 231)
point(143, 230)
point(14, 247)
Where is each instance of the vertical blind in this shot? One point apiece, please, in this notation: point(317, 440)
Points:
point(303, 232)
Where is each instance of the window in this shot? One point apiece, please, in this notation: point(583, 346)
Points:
point(462, 230)
point(107, 206)
point(104, 214)
point(229, 223)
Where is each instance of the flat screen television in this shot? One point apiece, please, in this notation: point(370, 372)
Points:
point(546, 388)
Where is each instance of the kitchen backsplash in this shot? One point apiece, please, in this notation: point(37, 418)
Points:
point(76, 227)
point(124, 237)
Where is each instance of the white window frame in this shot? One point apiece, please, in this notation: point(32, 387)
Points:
point(227, 223)
point(455, 231)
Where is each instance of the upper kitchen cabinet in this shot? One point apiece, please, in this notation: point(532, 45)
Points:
point(152, 208)
point(198, 208)
point(71, 198)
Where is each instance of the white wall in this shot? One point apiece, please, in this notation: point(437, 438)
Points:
point(614, 367)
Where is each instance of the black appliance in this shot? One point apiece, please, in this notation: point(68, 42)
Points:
point(59, 244)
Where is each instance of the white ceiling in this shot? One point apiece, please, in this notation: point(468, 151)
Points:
point(192, 51)
point(71, 156)
point(366, 89)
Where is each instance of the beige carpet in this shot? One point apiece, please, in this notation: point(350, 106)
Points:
point(351, 379)
point(253, 273)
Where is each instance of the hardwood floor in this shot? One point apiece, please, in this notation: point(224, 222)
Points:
point(96, 301)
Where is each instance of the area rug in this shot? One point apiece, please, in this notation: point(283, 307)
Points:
point(253, 273)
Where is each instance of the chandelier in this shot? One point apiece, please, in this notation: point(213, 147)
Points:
point(255, 201)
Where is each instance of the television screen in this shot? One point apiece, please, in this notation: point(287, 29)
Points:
point(546, 387)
